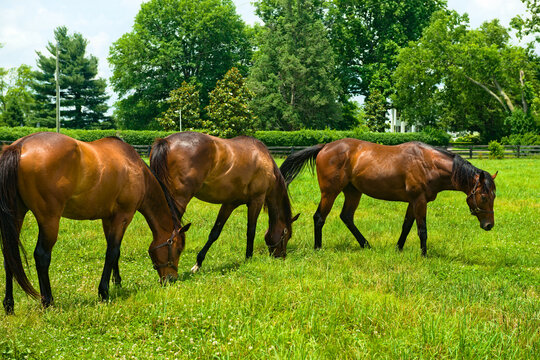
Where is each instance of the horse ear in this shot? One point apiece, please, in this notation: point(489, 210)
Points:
point(184, 228)
point(295, 218)
point(494, 175)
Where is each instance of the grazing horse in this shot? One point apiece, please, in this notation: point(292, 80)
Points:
point(56, 176)
point(412, 172)
point(231, 172)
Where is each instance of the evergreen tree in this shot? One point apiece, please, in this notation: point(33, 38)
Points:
point(229, 111)
point(293, 76)
point(82, 96)
point(375, 109)
point(185, 99)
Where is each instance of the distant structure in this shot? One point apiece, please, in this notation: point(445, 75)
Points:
point(396, 125)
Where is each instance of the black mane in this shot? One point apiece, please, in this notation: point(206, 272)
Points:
point(463, 172)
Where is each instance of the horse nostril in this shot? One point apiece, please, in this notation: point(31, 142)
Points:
point(488, 227)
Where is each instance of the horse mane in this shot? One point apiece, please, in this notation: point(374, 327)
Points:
point(158, 168)
point(283, 192)
point(463, 172)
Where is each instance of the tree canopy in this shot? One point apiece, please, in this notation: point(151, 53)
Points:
point(17, 100)
point(366, 35)
point(461, 79)
point(173, 41)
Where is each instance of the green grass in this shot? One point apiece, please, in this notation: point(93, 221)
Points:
point(476, 295)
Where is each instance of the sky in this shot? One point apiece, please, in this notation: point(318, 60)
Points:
point(26, 26)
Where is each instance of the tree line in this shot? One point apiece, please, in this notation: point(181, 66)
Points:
point(196, 64)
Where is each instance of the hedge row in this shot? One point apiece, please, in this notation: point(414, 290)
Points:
point(270, 138)
point(143, 137)
point(314, 137)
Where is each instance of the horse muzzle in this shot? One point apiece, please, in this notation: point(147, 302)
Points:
point(487, 226)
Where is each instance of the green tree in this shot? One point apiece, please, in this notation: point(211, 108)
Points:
point(229, 112)
point(465, 80)
point(183, 102)
point(17, 99)
point(375, 109)
point(530, 24)
point(293, 76)
point(82, 96)
point(366, 36)
point(174, 41)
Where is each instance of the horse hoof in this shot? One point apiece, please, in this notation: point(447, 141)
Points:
point(9, 307)
point(195, 268)
point(104, 296)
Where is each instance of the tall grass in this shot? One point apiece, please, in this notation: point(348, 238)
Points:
point(476, 295)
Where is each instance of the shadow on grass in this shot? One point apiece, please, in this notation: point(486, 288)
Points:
point(223, 269)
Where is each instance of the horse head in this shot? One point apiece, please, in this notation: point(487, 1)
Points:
point(481, 198)
point(165, 255)
point(278, 236)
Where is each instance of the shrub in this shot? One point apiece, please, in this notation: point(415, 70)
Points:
point(521, 139)
point(314, 137)
point(496, 150)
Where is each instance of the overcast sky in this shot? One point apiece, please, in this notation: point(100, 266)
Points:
point(26, 26)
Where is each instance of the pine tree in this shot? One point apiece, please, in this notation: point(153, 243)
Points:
point(82, 96)
point(293, 77)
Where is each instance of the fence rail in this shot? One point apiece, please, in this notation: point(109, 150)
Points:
point(465, 150)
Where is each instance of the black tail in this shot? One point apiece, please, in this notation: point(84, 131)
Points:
point(9, 193)
point(158, 167)
point(293, 165)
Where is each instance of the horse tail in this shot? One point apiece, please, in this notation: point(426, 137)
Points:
point(9, 194)
point(295, 163)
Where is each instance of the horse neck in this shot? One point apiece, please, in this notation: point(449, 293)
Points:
point(156, 211)
point(277, 202)
point(459, 174)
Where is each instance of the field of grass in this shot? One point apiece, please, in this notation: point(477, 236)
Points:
point(476, 295)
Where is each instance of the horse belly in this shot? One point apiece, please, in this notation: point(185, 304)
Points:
point(83, 208)
point(390, 188)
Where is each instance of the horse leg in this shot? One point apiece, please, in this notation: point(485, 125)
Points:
point(254, 209)
point(48, 234)
point(406, 227)
point(224, 213)
point(352, 198)
point(420, 209)
point(114, 229)
point(319, 218)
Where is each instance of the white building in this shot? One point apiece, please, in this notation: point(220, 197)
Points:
point(396, 125)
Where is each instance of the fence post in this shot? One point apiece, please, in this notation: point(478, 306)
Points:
point(518, 150)
point(470, 151)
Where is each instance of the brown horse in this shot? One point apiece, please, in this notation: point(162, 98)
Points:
point(413, 172)
point(231, 172)
point(55, 176)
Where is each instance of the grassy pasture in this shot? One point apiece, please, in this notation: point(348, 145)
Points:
point(476, 295)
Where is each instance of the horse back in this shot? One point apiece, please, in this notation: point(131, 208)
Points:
point(395, 173)
point(219, 170)
point(61, 176)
